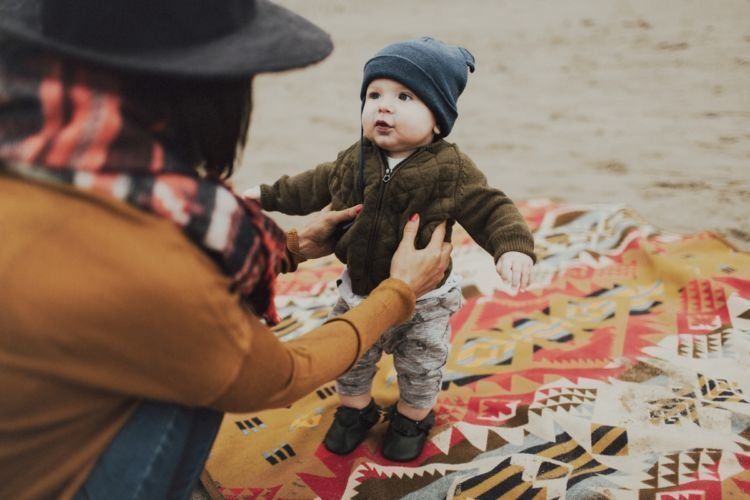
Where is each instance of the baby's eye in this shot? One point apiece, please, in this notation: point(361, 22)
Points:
point(373, 95)
point(404, 96)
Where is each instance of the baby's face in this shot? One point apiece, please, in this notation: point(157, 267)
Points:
point(395, 119)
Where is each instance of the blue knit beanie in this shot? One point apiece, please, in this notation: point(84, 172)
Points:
point(435, 71)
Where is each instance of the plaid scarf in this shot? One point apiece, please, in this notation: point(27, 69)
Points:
point(62, 122)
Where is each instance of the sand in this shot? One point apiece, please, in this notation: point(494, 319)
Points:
point(636, 102)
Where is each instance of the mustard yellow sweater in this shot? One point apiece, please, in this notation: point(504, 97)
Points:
point(102, 305)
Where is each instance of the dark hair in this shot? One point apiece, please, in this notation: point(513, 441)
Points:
point(203, 122)
point(208, 120)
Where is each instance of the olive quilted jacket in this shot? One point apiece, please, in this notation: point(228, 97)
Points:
point(437, 181)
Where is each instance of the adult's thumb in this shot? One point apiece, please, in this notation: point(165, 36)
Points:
point(338, 216)
point(438, 235)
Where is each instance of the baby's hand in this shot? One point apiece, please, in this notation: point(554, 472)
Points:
point(253, 193)
point(515, 268)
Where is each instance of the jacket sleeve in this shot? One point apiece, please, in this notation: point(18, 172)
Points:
point(489, 216)
point(300, 194)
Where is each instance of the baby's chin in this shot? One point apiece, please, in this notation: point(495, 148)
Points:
point(387, 145)
point(392, 151)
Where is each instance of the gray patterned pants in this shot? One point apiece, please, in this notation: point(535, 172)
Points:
point(420, 349)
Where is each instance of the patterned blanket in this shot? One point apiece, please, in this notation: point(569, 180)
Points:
point(623, 372)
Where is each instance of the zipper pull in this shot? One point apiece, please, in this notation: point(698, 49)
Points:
point(387, 175)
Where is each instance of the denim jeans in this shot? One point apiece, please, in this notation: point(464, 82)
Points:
point(159, 453)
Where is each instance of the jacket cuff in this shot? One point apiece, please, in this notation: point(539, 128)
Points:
point(267, 198)
point(515, 243)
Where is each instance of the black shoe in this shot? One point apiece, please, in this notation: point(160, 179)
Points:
point(349, 427)
point(405, 438)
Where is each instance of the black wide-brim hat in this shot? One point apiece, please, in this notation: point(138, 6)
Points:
point(181, 38)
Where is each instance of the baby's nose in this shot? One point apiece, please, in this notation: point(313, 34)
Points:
point(385, 106)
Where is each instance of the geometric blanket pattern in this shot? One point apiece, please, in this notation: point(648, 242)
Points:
point(622, 372)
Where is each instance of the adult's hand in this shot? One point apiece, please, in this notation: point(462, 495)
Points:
point(422, 269)
point(316, 239)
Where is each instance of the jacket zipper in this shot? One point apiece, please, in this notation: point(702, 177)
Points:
point(389, 173)
point(387, 176)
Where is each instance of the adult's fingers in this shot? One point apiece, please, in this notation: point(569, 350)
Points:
point(410, 231)
point(339, 216)
point(445, 256)
point(445, 251)
point(438, 235)
point(422, 269)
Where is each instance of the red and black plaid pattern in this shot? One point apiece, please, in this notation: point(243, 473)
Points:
point(63, 122)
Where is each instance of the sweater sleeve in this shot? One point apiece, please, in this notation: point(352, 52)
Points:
point(489, 216)
point(300, 194)
point(154, 318)
point(292, 256)
point(291, 370)
point(120, 321)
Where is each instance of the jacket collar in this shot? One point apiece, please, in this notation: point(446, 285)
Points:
point(433, 148)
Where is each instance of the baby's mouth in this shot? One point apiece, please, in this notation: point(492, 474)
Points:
point(383, 125)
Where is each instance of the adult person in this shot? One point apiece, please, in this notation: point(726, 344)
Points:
point(133, 279)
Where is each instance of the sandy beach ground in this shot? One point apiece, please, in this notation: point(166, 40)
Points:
point(636, 102)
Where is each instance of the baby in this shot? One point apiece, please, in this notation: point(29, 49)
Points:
point(401, 169)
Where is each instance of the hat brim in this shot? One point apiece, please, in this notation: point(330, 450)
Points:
point(276, 39)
